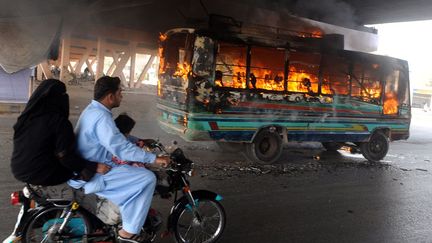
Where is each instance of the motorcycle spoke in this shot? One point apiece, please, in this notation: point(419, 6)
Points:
point(187, 231)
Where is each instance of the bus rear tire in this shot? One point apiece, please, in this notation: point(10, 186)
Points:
point(377, 147)
point(266, 147)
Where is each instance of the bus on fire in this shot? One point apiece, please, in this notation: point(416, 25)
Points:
point(254, 94)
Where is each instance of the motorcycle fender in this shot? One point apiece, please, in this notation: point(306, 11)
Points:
point(183, 201)
point(23, 217)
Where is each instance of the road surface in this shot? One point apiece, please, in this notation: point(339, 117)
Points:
point(309, 195)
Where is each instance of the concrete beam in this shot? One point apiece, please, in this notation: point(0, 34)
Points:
point(44, 68)
point(145, 70)
point(132, 51)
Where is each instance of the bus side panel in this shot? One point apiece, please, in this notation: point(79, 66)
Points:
point(348, 121)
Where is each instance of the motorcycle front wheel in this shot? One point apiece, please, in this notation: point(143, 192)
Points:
point(205, 223)
point(45, 225)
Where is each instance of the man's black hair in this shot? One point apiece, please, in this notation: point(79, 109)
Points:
point(104, 86)
point(124, 123)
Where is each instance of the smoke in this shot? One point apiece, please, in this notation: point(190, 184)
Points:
point(328, 11)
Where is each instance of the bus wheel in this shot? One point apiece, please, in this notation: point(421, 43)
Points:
point(266, 147)
point(332, 146)
point(377, 147)
point(230, 147)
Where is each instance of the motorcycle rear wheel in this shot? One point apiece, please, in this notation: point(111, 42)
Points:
point(207, 227)
point(43, 227)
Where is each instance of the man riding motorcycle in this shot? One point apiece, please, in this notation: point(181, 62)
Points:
point(98, 138)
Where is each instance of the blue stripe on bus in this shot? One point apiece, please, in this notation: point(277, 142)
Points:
point(292, 136)
point(313, 120)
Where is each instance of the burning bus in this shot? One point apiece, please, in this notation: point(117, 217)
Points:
point(254, 92)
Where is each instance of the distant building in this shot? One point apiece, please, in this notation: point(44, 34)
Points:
point(422, 96)
point(15, 90)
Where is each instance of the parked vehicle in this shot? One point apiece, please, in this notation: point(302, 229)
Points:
point(197, 216)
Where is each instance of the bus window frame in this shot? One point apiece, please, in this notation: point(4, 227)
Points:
point(248, 68)
point(287, 50)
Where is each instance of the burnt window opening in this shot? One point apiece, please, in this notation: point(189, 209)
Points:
point(366, 82)
point(267, 69)
point(231, 66)
point(335, 76)
point(175, 54)
point(303, 72)
point(396, 92)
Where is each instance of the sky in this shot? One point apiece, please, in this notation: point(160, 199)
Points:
point(411, 41)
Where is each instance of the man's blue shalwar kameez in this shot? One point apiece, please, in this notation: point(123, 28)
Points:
point(131, 188)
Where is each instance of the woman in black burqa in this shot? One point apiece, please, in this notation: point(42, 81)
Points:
point(44, 142)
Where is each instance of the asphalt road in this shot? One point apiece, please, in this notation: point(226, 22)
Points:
point(309, 195)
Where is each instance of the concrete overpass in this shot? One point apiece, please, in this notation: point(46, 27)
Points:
point(87, 31)
point(39, 24)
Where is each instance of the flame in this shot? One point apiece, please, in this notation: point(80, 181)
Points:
point(161, 60)
point(372, 92)
point(235, 78)
point(265, 79)
point(313, 34)
point(316, 34)
point(159, 88)
point(182, 70)
point(325, 87)
point(296, 80)
point(390, 104)
point(162, 37)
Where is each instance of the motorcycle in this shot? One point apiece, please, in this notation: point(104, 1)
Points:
point(196, 216)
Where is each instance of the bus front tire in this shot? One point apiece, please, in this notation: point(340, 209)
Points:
point(266, 147)
point(377, 147)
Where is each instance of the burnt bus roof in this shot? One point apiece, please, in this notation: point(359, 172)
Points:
point(309, 44)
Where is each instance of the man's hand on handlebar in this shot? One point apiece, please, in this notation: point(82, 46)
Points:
point(163, 161)
point(150, 143)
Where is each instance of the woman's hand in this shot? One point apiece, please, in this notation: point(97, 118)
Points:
point(102, 168)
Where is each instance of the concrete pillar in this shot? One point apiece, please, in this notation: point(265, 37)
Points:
point(100, 58)
point(64, 63)
point(90, 66)
point(81, 62)
point(39, 72)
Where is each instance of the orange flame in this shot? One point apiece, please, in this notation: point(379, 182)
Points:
point(266, 79)
point(161, 60)
point(316, 34)
point(162, 37)
point(183, 70)
point(390, 104)
point(297, 81)
point(159, 88)
point(372, 92)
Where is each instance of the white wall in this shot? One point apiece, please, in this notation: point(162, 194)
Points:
point(15, 87)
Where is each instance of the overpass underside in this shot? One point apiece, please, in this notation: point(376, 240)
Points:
point(105, 37)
